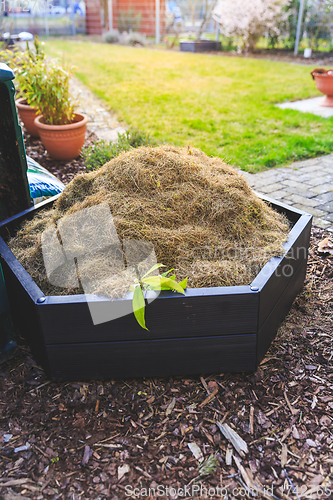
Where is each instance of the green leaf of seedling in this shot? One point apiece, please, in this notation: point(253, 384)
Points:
point(138, 304)
point(183, 283)
point(164, 282)
point(166, 273)
point(156, 266)
point(156, 288)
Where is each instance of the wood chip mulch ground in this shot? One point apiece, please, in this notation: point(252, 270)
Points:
point(267, 434)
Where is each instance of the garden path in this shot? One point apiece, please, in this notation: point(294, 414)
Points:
point(102, 122)
point(307, 185)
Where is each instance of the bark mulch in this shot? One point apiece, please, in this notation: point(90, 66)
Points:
point(266, 434)
point(64, 170)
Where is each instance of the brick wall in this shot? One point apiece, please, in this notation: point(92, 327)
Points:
point(147, 10)
point(93, 17)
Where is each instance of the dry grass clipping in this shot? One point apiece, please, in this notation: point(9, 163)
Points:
point(199, 213)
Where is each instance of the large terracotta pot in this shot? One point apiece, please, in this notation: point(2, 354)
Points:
point(27, 115)
point(63, 142)
point(324, 82)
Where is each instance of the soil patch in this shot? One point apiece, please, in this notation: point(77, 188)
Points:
point(63, 170)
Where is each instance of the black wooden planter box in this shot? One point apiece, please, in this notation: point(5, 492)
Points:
point(209, 330)
point(199, 45)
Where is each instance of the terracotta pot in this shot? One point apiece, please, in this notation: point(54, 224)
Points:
point(324, 83)
point(63, 142)
point(27, 115)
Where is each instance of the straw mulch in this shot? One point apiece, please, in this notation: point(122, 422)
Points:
point(199, 214)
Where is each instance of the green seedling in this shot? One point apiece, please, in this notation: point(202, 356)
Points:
point(208, 466)
point(159, 282)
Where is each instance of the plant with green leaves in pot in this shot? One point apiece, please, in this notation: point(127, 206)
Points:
point(61, 130)
point(21, 62)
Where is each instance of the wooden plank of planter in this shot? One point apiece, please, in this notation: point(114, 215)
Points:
point(152, 358)
point(13, 222)
point(219, 311)
point(268, 331)
point(275, 276)
point(23, 293)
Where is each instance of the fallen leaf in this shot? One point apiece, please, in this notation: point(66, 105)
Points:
point(122, 470)
point(86, 455)
point(325, 246)
point(316, 480)
point(197, 453)
point(170, 407)
point(324, 421)
point(314, 402)
point(295, 432)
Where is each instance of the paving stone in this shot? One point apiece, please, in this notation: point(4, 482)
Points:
point(327, 161)
point(305, 163)
point(326, 170)
point(325, 224)
point(324, 198)
point(307, 202)
point(329, 217)
point(110, 135)
point(310, 168)
point(293, 183)
point(306, 192)
point(311, 210)
point(287, 201)
point(270, 188)
point(281, 193)
point(327, 207)
point(308, 106)
point(99, 117)
point(324, 188)
point(300, 177)
point(315, 181)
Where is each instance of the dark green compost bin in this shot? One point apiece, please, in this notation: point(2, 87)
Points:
point(14, 189)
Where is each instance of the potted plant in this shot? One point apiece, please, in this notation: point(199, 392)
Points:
point(61, 130)
point(25, 61)
point(21, 62)
point(324, 82)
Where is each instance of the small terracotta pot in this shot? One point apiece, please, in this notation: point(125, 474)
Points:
point(324, 84)
point(27, 115)
point(63, 142)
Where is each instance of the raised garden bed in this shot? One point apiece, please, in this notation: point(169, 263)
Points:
point(209, 330)
point(199, 45)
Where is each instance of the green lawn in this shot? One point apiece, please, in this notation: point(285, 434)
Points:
point(223, 105)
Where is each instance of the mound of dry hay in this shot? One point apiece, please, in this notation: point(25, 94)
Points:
point(199, 213)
